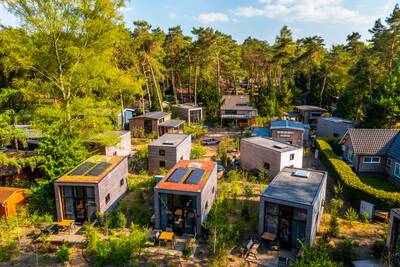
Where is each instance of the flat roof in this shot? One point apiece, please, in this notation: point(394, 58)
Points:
point(169, 140)
point(186, 170)
point(236, 102)
point(336, 120)
point(172, 123)
point(187, 106)
point(310, 108)
point(288, 124)
point(271, 143)
point(152, 115)
point(92, 170)
point(288, 187)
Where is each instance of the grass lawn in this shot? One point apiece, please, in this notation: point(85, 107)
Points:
point(378, 182)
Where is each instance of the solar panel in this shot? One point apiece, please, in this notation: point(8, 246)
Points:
point(195, 176)
point(178, 175)
point(98, 169)
point(83, 168)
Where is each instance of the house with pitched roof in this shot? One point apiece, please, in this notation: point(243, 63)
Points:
point(291, 207)
point(373, 151)
point(292, 132)
point(167, 150)
point(184, 197)
point(95, 185)
point(269, 155)
point(237, 109)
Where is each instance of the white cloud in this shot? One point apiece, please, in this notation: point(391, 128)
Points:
point(172, 15)
point(6, 18)
point(304, 10)
point(213, 17)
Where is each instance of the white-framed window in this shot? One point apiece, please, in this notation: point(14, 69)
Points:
point(396, 171)
point(292, 156)
point(372, 159)
point(350, 156)
point(389, 162)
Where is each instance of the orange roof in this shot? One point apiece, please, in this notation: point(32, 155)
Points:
point(207, 166)
point(113, 160)
point(7, 192)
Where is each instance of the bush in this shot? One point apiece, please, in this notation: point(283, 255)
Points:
point(351, 215)
point(195, 129)
point(63, 253)
point(378, 248)
point(353, 187)
point(116, 220)
point(8, 249)
point(198, 151)
point(344, 252)
point(315, 256)
point(333, 229)
point(365, 217)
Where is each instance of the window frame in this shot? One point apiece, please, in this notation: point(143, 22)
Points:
point(265, 165)
point(162, 165)
point(350, 156)
point(291, 156)
point(107, 198)
point(372, 161)
point(396, 170)
point(161, 152)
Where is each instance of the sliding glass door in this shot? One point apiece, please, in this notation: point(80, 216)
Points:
point(79, 203)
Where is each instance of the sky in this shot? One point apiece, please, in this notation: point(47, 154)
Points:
point(262, 19)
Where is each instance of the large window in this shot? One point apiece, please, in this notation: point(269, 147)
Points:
point(161, 152)
point(372, 160)
point(79, 202)
point(397, 170)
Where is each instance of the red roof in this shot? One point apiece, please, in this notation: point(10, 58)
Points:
point(207, 166)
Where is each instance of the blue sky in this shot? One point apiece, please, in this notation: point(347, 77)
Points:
point(332, 19)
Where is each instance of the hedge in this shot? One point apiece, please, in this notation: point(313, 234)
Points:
point(354, 189)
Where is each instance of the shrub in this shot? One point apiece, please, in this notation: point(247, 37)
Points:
point(333, 229)
point(8, 249)
point(117, 220)
point(63, 253)
point(335, 205)
point(365, 217)
point(195, 129)
point(198, 151)
point(186, 251)
point(351, 215)
point(353, 187)
point(344, 252)
point(315, 256)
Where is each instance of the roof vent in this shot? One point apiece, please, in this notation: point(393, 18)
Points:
point(194, 165)
point(167, 142)
point(279, 146)
point(301, 173)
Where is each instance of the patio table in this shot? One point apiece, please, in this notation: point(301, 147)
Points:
point(268, 236)
point(168, 237)
point(66, 224)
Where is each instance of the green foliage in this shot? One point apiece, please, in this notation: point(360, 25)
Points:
point(354, 188)
point(195, 129)
point(8, 248)
point(119, 250)
point(365, 217)
point(139, 161)
point(315, 256)
point(351, 215)
point(116, 220)
point(344, 252)
point(198, 151)
point(334, 206)
point(63, 253)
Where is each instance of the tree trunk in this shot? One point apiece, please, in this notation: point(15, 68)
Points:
point(195, 85)
point(218, 75)
point(173, 85)
point(322, 91)
point(147, 88)
point(156, 86)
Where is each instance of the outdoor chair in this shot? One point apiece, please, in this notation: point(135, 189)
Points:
point(252, 248)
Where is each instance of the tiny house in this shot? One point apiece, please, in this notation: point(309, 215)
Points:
point(292, 132)
point(269, 155)
point(148, 123)
point(167, 150)
point(393, 236)
point(96, 185)
point(332, 126)
point(291, 206)
point(184, 197)
point(189, 113)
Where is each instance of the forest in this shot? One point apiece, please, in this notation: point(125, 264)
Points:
point(70, 67)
